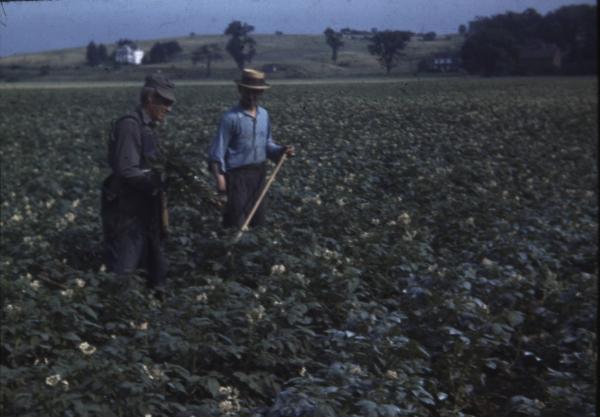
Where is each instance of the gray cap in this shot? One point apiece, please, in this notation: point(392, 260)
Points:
point(161, 85)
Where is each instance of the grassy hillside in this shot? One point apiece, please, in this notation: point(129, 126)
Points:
point(300, 56)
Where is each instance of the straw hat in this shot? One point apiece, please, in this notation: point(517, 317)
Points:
point(253, 79)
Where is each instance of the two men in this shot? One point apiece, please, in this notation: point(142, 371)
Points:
point(133, 204)
point(133, 199)
point(239, 150)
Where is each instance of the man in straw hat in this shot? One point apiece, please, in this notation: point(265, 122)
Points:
point(133, 204)
point(239, 150)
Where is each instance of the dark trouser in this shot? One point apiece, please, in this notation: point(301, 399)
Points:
point(244, 185)
point(134, 247)
point(132, 235)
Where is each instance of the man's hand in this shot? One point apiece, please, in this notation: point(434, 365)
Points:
point(221, 184)
point(219, 178)
point(221, 200)
point(221, 189)
point(289, 150)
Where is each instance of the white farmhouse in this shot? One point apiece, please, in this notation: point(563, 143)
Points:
point(129, 54)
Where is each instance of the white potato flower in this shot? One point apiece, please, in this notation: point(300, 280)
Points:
point(404, 218)
point(330, 254)
point(355, 369)
point(38, 361)
point(226, 406)
point(86, 348)
point(68, 293)
point(256, 314)
point(52, 380)
point(487, 262)
point(147, 371)
point(390, 374)
point(225, 390)
point(157, 373)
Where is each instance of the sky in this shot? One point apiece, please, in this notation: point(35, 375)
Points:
point(32, 26)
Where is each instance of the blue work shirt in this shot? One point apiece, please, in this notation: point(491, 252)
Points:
point(243, 140)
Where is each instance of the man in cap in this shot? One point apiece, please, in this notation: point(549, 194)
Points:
point(133, 204)
point(239, 150)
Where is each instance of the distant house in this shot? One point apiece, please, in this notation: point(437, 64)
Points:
point(129, 54)
point(539, 58)
point(445, 63)
point(442, 62)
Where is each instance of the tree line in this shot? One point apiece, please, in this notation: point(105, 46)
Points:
point(495, 45)
point(241, 47)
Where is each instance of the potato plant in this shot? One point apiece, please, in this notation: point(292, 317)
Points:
point(430, 251)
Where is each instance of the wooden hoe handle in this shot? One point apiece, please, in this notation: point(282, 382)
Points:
point(260, 198)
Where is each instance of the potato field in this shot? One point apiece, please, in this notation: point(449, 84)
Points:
point(430, 251)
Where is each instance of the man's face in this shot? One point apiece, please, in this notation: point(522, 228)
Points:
point(158, 107)
point(249, 97)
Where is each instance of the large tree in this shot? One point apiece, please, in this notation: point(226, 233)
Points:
point(490, 51)
point(387, 47)
point(334, 40)
point(157, 54)
point(163, 52)
point(575, 30)
point(493, 44)
point(172, 48)
point(102, 53)
point(207, 53)
point(91, 55)
point(240, 46)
